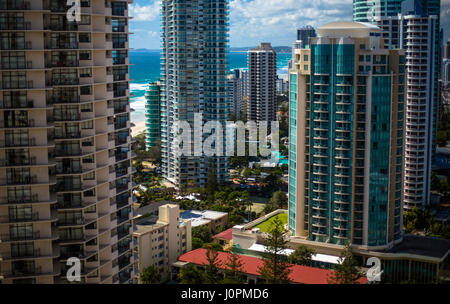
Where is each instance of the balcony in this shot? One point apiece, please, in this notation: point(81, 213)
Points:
point(16, 104)
point(30, 142)
point(21, 180)
point(68, 135)
point(15, 5)
point(21, 237)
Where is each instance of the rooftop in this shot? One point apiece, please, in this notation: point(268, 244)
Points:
point(226, 235)
point(421, 245)
point(299, 274)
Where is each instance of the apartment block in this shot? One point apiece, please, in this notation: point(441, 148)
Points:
point(347, 95)
point(159, 242)
point(262, 86)
point(65, 144)
point(235, 92)
point(416, 29)
point(153, 115)
point(194, 77)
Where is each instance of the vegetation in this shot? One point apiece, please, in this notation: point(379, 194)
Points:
point(266, 226)
point(191, 274)
point(302, 256)
point(443, 133)
point(423, 220)
point(150, 275)
point(234, 270)
point(276, 268)
point(212, 271)
point(279, 200)
point(347, 270)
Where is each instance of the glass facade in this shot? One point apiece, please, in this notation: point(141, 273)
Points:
point(152, 115)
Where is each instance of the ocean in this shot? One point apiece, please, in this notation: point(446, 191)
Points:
point(146, 67)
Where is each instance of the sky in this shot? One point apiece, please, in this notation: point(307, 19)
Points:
point(255, 21)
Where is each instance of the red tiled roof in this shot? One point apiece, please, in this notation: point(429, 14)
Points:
point(226, 235)
point(299, 274)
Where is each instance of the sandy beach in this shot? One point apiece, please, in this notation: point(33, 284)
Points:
point(138, 129)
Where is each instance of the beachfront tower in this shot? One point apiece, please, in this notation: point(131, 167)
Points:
point(194, 81)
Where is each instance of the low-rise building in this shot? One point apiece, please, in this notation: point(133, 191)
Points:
point(211, 219)
point(251, 265)
point(160, 241)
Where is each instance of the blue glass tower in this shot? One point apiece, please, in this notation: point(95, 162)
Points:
point(346, 131)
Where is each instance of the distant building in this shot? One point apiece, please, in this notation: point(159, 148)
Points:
point(235, 92)
point(194, 67)
point(303, 35)
point(282, 85)
point(413, 25)
point(153, 115)
point(160, 241)
point(212, 219)
point(262, 68)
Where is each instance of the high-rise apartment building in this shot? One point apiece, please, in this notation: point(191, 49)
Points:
point(304, 34)
point(153, 115)
point(194, 77)
point(416, 29)
point(446, 64)
point(262, 82)
point(235, 92)
point(346, 138)
point(65, 144)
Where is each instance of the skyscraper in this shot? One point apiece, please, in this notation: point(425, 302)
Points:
point(368, 10)
point(65, 144)
point(153, 115)
point(194, 77)
point(235, 92)
point(304, 34)
point(416, 29)
point(262, 82)
point(346, 131)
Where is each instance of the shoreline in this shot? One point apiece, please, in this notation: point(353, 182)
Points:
point(138, 129)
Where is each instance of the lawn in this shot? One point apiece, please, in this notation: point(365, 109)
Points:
point(265, 226)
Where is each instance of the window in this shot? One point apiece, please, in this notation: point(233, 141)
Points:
point(84, 37)
point(85, 55)
point(85, 125)
point(86, 90)
point(85, 20)
point(14, 80)
point(13, 60)
point(89, 176)
point(87, 72)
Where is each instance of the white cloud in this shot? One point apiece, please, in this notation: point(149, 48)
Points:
point(266, 20)
point(145, 12)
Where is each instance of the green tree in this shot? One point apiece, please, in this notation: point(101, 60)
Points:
point(302, 256)
point(234, 270)
point(212, 273)
point(347, 270)
point(211, 183)
point(150, 275)
point(279, 200)
point(276, 268)
point(197, 243)
point(191, 274)
point(203, 233)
